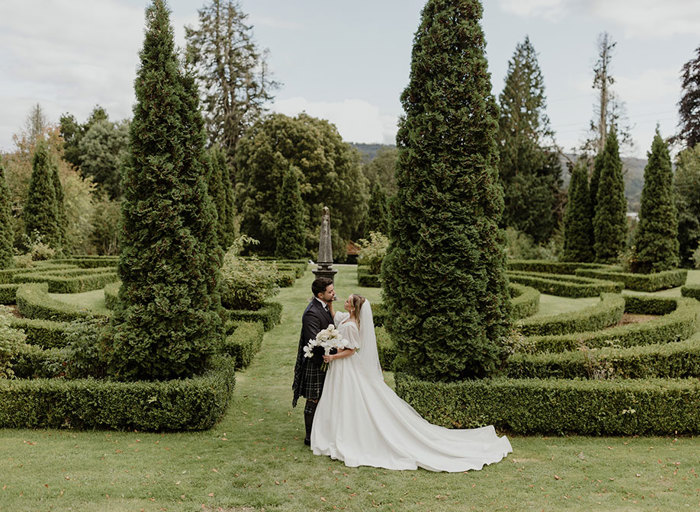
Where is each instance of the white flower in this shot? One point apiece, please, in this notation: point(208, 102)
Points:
point(308, 351)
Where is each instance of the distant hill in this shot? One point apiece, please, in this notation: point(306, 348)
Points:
point(633, 169)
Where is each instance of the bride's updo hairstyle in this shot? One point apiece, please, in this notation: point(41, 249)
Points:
point(357, 301)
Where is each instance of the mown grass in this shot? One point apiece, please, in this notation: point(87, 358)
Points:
point(254, 459)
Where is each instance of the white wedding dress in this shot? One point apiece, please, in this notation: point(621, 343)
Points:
point(361, 421)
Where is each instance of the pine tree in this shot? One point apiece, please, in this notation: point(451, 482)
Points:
point(444, 282)
point(578, 227)
point(6, 234)
point(689, 105)
point(610, 219)
point(377, 217)
point(529, 166)
point(41, 211)
point(656, 241)
point(291, 242)
point(168, 321)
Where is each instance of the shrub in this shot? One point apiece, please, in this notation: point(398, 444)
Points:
point(365, 278)
point(10, 341)
point(524, 302)
point(551, 267)
point(70, 283)
point(607, 312)
point(521, 246)
point(691, 290)
point(246, 282)
point(286, 278)
point(112, 294)
point(33, 362)
point(244, 343)
point(43, 333)
point(558, 406)
point(385, 348)
point(8, 293)
point(640, 282)
point(565, 286)
point(372, 251)
point(269, 314)
point(87, 357)
point(33, 302)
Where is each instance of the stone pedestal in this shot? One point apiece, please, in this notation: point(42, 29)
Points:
point(324, 266)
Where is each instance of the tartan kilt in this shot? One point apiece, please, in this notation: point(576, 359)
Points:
point(312, 379)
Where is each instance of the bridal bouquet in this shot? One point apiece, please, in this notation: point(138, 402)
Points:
point(327, 341)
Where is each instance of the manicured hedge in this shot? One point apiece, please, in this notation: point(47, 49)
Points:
point(33, 362)
point(7, 275)
point(184, 404)
point(691, 290)
point(89, 261)
point(43, 333)
point(244, 343)
point(364, 278)
point(33, 301)
point(298, 268)
point(524, 302)
point(379, 314)
point(588, 407)
point(607, 312)
point(640, 282)
point(286, 278)
point(270, 315)
point(664, 360)
point(385, 348)
point(565, 285)
point(112, 294)
point(677, 325)
point(551, 267)
point(68, 283)
point(8, 293)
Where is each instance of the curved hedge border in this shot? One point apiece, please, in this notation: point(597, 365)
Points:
point(524, 302)
point(365, 278)
point(244, 343)
point(640, 282)
point(675, 360)
point(33, 301)
point(7, 275)
point(551, 267)
point(678, 324)
point(68, 283)
point(607, 312)
point(565, 285)
point(89, 261)
point(42, 333)
point(691, 290)
point(184, 404)
point(8, 293)
point(589, 407)
point(270, 315)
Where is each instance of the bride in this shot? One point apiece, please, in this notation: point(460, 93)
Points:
point(361, 421)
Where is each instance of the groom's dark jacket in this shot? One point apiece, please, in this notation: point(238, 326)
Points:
point(308, 375)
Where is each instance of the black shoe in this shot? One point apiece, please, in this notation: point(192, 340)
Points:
point(307, 442)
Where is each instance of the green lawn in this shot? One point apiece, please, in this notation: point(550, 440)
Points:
point(254, 460)
point(92, 300)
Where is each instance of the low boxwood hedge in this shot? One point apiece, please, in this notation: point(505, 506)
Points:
point(185, 404)
point(557, 406)
point(89, 261)
point(270, 315)
point(366, 279)
point(7, 275)
point(68, 283)
point(43, 333)
point(33, 362)
point(679, 324)
point(663, 360)
point(524, 302)
point(691, 290)
point(112, 294)
point(286, 278)
point(565, 285)
point(607, 312)
point(244, 343)
point(550, 267)
point(640, 282)
point(298, 268)
point(33, 301)
point(385, 348)
point(8, 293)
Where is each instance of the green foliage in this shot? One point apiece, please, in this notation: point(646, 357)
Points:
point(639, 282)
point(529, 171)
point(105, 222)
point(269, 315)
point(551, 267)
point(221, 192)
point(381, 170)
point(71, 281)
point(656, 239)
point(291, 236)
point(6, 233)
point(610, 217)
point(33, 301)
point(246, 283)
point(385, 348)
point(690, 102)
point(595, 181)
point(524, 302)
point(578, 227)
point(42, 333)
point(686, 184)
point(103, 152)
point(181, 404)
point(691, 290)
point(558, 406)
point(606, 313)
point(72, 132)
point(112, 294)
point(445, 240)
point(367, 279)
point(566, 285)
point(244, 343)
point(373, 251)
point(377, 216)
point(41, 210)
point(7, 293)
point(10, 342)
point(520, 246)
point(330, 176)
point(168, 321)
point(87, 359)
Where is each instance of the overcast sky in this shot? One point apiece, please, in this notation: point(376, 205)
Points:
point(349, 61)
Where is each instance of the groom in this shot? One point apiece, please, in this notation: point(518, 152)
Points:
point(308, 375)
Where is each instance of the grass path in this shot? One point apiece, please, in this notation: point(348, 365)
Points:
point(254, 459)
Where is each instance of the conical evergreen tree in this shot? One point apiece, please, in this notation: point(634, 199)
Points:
point(610, 220)
point(291, 242)
point(377, 216)
point(217, 192)
point(60, 207)
point(578, 225)
point(444, 281)
point(227, 213)
point(656, 241)
point(41, 212)
point(168, 322)
point(595, 179)
point(6, 234)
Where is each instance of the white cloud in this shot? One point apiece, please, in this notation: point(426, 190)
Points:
point(266, 21)
point(356, 120)
point(651, 18)
point(552, 10)
point(649, 86)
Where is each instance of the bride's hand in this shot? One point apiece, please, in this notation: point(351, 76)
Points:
point(327, 358)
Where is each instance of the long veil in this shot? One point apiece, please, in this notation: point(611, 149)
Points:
point(368, 354)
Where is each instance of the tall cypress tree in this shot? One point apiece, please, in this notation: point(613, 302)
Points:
point(377, 216)
point(60, 206)
point(578, 226)
point(291, 242)
point(6, 234)
point(656, 241)
point(610, 219)
point(41, 211)
point(443, 275)
point(595, 179)
point(227, 211)
point(217, 192)
point(168, 323)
